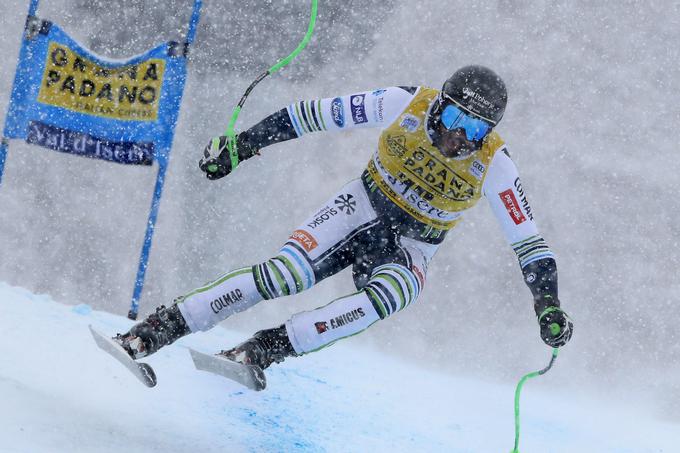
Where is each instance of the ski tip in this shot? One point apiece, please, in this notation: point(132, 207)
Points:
point(260, 378)
point(141, 371)
point(197, 358)
point(194, 354)
point(95, 333)
point(149, 374)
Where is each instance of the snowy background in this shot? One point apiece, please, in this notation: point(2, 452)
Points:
point(590, 123)
point(65, 395)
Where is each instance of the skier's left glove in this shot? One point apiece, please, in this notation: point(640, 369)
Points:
point(556, 326)
point(217, 162)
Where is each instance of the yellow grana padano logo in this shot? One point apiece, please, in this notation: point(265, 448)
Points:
point(78, 84)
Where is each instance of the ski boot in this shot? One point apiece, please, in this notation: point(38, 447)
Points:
point(264, 348)
point(158, 329)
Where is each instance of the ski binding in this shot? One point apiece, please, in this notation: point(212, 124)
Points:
point(250, 376)
point(141, 371)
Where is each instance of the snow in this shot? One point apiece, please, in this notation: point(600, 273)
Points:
point(589, 83)
point(60, 393)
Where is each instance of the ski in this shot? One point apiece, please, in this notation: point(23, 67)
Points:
point(250, 376)
point(141, 371)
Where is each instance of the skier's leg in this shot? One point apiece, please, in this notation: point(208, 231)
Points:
point(317, 249)
point(204, 307)
point(390, 288)
point(394, 282)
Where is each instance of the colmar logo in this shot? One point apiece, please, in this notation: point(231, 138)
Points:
point(523, 199)
point(511, 204)
point(305, 239)
point(225, 300)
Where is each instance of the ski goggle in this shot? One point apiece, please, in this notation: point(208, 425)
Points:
point(453, 117)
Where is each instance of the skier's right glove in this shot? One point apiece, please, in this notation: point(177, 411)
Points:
point(556, 327)
point(217, 161)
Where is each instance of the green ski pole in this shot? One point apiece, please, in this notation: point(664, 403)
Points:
point(519, 390)
point(231, 140)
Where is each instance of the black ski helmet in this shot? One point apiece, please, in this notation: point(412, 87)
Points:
point(477, 89)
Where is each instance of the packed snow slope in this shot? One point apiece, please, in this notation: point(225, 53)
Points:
point(60, 393)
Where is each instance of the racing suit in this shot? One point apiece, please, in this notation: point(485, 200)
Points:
point(387, 224)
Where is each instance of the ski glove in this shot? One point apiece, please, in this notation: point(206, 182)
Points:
point(217, 162)
point(556, 327)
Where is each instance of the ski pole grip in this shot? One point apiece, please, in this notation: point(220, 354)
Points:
point(555, 329)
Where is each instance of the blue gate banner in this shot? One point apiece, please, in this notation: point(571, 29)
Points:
point(67, 99)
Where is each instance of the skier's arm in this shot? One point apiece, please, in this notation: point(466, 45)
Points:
point(359, 110)
point(508, 201)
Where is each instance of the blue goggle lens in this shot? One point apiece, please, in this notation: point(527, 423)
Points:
point(454, 118)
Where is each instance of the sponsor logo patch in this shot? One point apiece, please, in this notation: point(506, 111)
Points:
point(322, 216)
point(358, 108)
point(378, 106)
point(510, 201)
point(396, 145)
point(523, 199)
point(321, 327)
point(476, 99)
point(346, 203)
point(226, 300)
point(477, 169)
point(419, 275)
point(305, 239)
point(415, 195)
point(338, 112)
point(426, 170)
point(339, 321)
point(410, 122)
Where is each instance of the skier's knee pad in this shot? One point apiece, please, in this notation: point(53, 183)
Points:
point(392, 287)
point(286, 274)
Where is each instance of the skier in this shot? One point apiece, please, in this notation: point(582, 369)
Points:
point(437, 155)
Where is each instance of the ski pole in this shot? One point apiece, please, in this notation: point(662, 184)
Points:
point(231, 140)
point(519, 390)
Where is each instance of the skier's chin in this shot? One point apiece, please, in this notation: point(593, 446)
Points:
point(456, 149)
